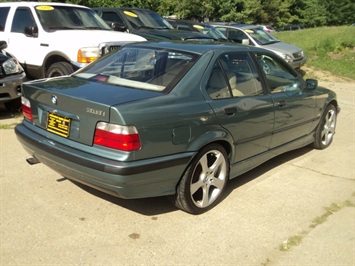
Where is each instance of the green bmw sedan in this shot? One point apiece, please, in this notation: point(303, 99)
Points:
point(173, 119)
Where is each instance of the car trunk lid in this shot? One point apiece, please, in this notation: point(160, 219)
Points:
point(71, 107)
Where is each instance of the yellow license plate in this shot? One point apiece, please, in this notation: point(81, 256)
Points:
point(58, 125)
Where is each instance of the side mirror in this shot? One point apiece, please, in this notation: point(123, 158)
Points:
point(31, 31)
point(118, 27)
point(3, 45)
point(311, 84)
point(245, 42)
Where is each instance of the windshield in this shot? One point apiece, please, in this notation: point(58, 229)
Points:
point(261, 36)
point(69, 17)
point(146, 19)
point(142, 68)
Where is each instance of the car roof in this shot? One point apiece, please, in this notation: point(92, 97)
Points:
point(239, 26)
point(197, 47)
point(189, 22)
point(123, 8)
point(39, 4)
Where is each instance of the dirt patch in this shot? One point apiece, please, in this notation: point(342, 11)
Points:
point(323, 75)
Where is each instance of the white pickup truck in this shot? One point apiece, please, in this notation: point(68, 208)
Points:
point(54, 39)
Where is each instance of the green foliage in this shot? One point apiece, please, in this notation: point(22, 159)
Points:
point(328, 48)
point(311, 13)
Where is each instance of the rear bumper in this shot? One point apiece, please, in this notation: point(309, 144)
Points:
point(139, 179)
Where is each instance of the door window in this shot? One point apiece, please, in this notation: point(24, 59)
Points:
point(278, 77)
point(237, 35)
point(233, 75)
point(4, 11)
point(112, 17)
point(23, 18)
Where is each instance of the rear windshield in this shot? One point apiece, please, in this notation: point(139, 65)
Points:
point(141, 68)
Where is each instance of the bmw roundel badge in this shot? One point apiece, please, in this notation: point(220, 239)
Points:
point(54, 99)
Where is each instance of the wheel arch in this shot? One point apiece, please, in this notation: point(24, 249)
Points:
point(53, 57)
point(221, 137)
point(333, 102)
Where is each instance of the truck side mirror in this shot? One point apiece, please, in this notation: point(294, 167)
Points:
point(118, 26)
point(31, 31)
point(3, 45)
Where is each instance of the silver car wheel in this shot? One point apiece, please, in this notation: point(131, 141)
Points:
point(329, 127)
point(202, 185)
point(208, 178)
point(325, 130)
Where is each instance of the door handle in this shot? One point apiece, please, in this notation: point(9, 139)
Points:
point(230, 110)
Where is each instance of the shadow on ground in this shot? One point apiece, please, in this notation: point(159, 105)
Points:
point(161, 205)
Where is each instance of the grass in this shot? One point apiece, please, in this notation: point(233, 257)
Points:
point(327, 48)
point(8, 126)
point(333, 208)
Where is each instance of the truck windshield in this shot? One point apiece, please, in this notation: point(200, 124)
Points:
point(146, 19)
point(56, 17)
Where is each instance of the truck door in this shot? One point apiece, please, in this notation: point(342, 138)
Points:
point(18, 39)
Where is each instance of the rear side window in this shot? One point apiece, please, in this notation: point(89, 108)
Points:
point(4, 11)
point(23, 18)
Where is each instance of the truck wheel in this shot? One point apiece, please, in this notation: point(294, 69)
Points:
point(59, 69)
point(13, 105)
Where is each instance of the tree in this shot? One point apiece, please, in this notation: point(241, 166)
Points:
point(311, 13)
point(339, 12)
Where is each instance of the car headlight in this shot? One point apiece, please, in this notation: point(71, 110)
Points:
point(88, 54)
point(11, 66)
point(288, 58)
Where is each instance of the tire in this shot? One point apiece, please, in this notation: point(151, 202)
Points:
point(204, 181)
point(326, 128)
point(59, 69)
point(13, 105)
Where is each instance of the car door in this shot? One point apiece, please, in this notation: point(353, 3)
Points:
point(241, 105)
point(294, 107)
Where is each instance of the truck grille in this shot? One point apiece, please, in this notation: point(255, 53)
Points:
point(106, 48)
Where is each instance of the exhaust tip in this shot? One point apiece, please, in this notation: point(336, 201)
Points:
point(32, 161)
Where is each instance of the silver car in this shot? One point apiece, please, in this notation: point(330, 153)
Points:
point(256, 36)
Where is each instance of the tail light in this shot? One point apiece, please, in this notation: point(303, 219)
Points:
point(26, 108)
point(118, 137)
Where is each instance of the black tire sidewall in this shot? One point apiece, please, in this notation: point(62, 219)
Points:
point(59, 69)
